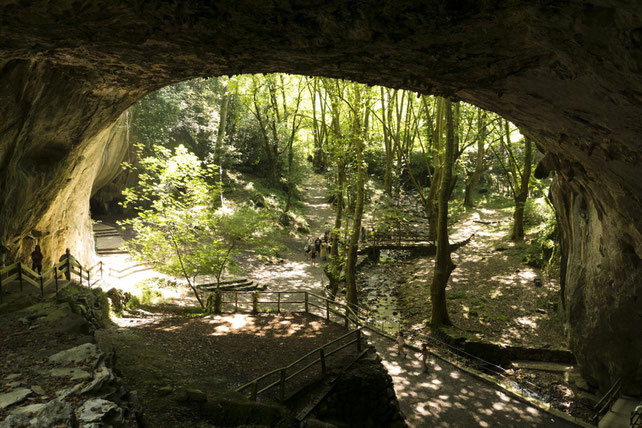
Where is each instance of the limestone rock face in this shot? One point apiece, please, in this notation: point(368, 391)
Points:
point(569, 74)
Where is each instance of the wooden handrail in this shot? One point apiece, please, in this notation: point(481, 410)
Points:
point(320, 350)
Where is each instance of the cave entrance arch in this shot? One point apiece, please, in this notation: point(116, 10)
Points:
point(567, 74)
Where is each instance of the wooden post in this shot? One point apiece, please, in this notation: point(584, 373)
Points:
point(347, 322)
point(101, 269)
point(307, 308)
point(358, 340)
point(42, 287)
point(255, 388)
point(327, 310)
point(1, 287)
point(20, 275)
point(282, 384)
point(278, 302)
point(236, 302)
point(80, 273)
point(68, 270)
point(322, 358)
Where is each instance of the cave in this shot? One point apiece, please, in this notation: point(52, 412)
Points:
point(569, 74)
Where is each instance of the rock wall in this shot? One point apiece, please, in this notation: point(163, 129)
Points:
point(568, 73)
point(364, 396)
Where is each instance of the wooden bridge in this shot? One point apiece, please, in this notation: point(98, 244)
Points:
point(417, 246)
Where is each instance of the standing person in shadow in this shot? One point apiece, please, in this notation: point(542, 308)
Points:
point(67, 256)
point(36, 260)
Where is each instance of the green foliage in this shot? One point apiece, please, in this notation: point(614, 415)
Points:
point(178, 229)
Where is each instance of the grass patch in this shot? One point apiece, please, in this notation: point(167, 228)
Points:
point(457, 295)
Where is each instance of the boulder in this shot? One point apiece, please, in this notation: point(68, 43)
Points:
point(87, 353)
point(14, 397)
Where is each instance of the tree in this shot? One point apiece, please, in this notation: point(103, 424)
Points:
point(358, 136)
point(177, 230)
point(518, 177)
point(443, 263)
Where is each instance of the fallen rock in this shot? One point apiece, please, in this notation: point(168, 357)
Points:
point(102, 376)
point(12, 376)
point(70, 372)
point(29, 410)
point(86, 353)
point(14, 397)
point(38, 390)
point(94, 410)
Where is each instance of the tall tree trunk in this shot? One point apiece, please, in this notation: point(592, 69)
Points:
point(432, 208)
point(358, 138)
point(334, 271)
point(443, 263)
point(473, 178)
point(218, 147)
point(386, 115)
point(520, 199)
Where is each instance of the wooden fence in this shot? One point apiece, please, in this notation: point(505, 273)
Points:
point(317, 357)
point(64, 269)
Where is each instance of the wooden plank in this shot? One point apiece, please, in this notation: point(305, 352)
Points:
point(8, 268)
point(28, 280)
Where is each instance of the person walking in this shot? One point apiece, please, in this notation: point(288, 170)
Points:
point(313, 256)
point(317, 245)
point(324, 252)
point(400, 344)
point(424, 356)
point(36, 260)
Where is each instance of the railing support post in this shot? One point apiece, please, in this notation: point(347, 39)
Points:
point(347, 319)
point(358, 340)
point(327, 311)
point(68, 276)
point(20, 275)
point(278, 302)
point(282, 384)
point(1, 287)
point(56, 279)
point(101, 269)
point(255, 388)
point(80, 273)
point(307, 307)
point(322, 359)
point(236, 302)
point(42, 287)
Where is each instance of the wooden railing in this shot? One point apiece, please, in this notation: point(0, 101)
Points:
point(607, 400)
point(318, 356)
point(26, 276)
point(278, 300)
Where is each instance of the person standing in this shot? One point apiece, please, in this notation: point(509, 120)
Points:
point(313, 256)
point(70, 258)
point(36, 260)
point(317, 245)
point(3, 253)
point(324, 253)
point(424, 356)
point(400, 344)
point(363, 234)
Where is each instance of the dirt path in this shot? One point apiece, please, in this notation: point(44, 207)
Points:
point(449, 397)
point(296, 272)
